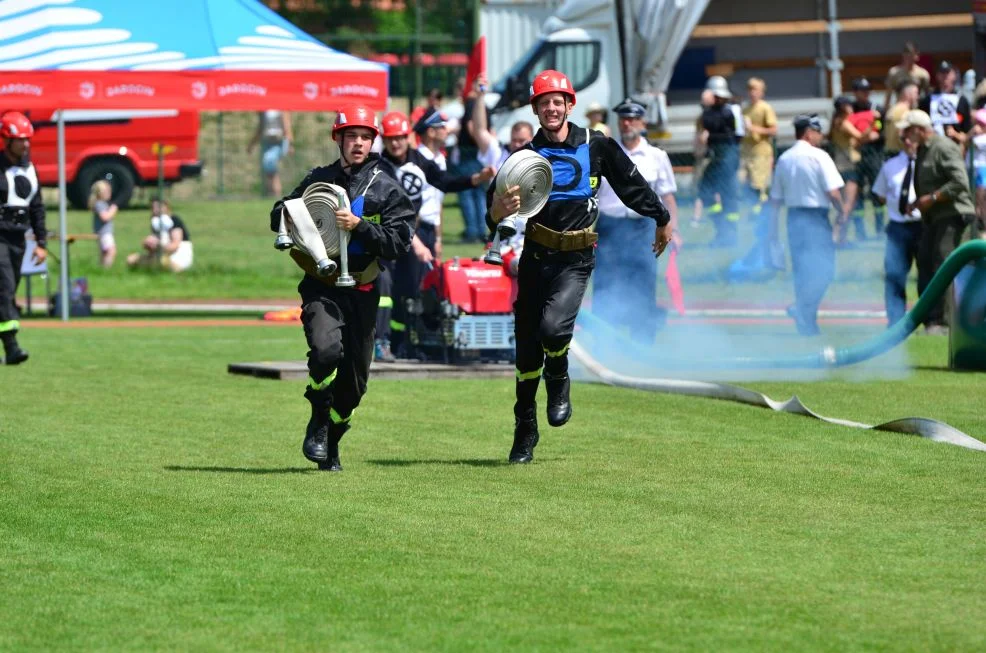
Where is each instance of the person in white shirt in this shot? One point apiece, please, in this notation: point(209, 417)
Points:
point(624, 286)
point(894, 186)
point(807, 182)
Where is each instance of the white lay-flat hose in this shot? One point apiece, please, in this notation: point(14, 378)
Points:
point(921, 426)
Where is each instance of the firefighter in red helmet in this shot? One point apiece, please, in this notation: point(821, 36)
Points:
point(22, 210)
point(558, 252)
point(339, 323)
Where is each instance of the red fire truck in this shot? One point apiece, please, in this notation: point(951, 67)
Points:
point(118, 146)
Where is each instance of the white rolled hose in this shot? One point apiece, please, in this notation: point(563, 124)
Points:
point(311, 227)
point(532, 173)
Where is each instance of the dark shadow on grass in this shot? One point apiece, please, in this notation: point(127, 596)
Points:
point(242, 470)
point(945, 368)
point(471, 462)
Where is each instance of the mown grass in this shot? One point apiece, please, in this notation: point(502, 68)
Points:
point(149, 501)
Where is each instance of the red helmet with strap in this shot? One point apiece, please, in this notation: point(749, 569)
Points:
point(396, 123)
point(355, 116)
point(14, 124)
point(552, 81)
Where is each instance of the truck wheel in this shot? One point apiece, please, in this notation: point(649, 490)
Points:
point(119, 174)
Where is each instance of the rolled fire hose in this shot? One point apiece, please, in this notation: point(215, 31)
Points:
point(532, 173)
point(827, 357)
point(310, 226)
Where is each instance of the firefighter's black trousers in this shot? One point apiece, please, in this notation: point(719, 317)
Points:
point(339, 326)
point(11, 256)
point(550, 287)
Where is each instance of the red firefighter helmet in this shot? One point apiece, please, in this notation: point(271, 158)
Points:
point(396, 123)
point(355, 116)
point(551, 81)
point(14, 124)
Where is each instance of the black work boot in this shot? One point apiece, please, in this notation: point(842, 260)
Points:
point(331, 462)
point(316, 445)
point(559, 404)
point(525, 438)
point(12, 353)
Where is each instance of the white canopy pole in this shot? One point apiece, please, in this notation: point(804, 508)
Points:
point(62, 220)
point(835, 63)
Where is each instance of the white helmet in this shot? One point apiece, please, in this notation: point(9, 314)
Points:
point(719, 87)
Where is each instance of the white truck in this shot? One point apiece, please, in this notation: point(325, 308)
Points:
point(610, 50)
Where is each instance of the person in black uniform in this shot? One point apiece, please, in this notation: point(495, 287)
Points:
point(949, 110)
point(22, 210)
point(718, 123)
point(558, 249)
point(418, 175)
point(340, 322)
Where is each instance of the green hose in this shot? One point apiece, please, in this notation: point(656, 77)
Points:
point(832, 356)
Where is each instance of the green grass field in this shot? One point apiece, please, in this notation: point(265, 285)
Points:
point(151, 501)
point(235, 259)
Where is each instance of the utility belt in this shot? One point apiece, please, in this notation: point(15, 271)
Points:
point(563, 241)
point(363, 277)
point(13, 217)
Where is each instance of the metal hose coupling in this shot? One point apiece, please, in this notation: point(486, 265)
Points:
point(532, 173)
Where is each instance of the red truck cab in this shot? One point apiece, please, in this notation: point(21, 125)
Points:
point(115, 145)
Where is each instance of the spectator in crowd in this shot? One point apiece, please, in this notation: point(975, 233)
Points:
point(275, 137)
point(844, 140)
point(465, 162)
point(103, 211)
point(169, 244)
point(979, 163)
point(949, 110)
point(433, 101)
point(894, 187)
point(807, 182)
point(595, 115)
point(908, 69)
point(870, 154)
point(757, 147)
point(943, 198)
point(907, 99)
point(625, 282)
point(719, 128)
point(491, 153)
point(700, 150)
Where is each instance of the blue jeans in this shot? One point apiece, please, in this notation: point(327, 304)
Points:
point(624, 284)
point(809, 234)
point(903, 239)
point(472, 202)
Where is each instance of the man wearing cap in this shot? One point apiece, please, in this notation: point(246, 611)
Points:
point(943, 198)
point(757, 146)
point(624, 290)
point(421, 173)
point(870, 155)
point(339, 323)
point(719, 129)
point(807, 182)
point(948, 109)
point(558, 255)
point(595, 115)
